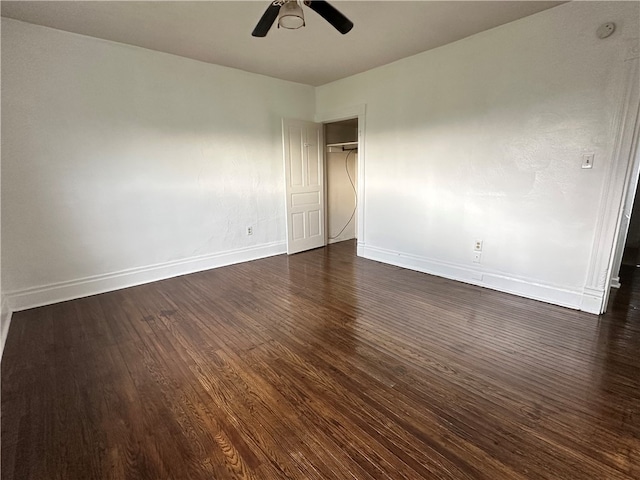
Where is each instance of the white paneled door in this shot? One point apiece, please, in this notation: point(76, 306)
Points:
point(304, 178)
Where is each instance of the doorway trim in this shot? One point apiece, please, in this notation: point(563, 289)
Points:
point(617, 180)
point(346, 113)
point(627, 208)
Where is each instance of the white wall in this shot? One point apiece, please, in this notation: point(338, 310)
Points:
point(122, 165)
point(482, 139)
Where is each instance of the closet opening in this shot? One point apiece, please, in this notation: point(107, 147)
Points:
point(341, 174)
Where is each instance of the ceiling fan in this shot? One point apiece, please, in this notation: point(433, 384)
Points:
point(292, 17)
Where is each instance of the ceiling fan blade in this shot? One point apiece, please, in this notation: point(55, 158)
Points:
point(268, 17)
point(331, 15)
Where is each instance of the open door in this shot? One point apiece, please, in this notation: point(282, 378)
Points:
point(304, 184)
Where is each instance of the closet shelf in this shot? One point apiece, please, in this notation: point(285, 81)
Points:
point(343, 146)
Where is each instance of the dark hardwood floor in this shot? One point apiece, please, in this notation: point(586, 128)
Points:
point(321, 365)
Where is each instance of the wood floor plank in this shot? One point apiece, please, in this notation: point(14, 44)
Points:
point(321, 365)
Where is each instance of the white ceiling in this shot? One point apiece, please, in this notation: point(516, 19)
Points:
point(220, 31)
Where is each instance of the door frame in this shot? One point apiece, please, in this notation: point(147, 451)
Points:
point(627, 209)
point(348, 113)
point(617, 181)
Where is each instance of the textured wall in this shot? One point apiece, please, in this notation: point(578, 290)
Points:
point(483, 138)
point(115, 157)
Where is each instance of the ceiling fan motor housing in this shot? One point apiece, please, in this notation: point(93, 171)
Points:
point(290, 15)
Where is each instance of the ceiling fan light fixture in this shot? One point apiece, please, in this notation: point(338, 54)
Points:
point(291, 15)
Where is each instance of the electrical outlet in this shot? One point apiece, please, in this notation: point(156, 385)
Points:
point(249, 230)
point(477, 256)
point(477, 247)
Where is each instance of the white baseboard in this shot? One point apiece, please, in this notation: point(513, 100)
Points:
point(592, 300)
point(615, 282)
point(84, 287)
point(588, 301)
point(562, 296)
point(5, 321)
